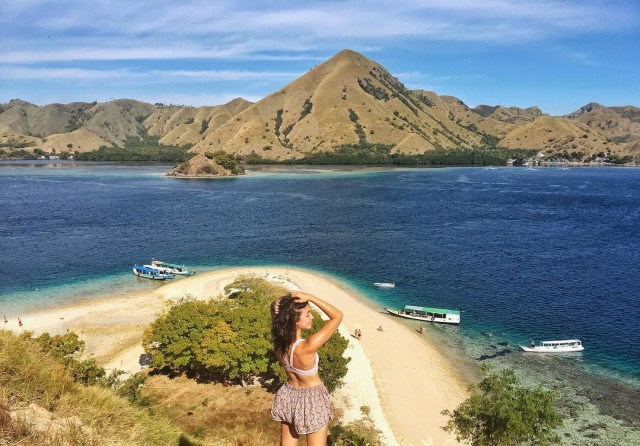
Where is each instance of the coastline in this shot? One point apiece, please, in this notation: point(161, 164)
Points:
point(402, 378)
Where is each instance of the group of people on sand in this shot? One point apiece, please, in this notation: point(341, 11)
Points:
point(7, 320)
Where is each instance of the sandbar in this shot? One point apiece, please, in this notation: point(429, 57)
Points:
point(401, 379)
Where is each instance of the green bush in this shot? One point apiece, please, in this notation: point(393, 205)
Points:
point(226, 160)
point(204, 126)
point(501, 413)
point(66, 348)
point(229, 340)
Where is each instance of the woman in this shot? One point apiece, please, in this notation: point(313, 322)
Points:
point(301, 405)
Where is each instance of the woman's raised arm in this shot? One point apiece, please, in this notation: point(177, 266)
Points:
point(318, 339)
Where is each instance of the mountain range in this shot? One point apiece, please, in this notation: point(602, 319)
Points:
point(349, 99)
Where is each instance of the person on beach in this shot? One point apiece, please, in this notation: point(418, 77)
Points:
point(5, 319)
point(302, 404)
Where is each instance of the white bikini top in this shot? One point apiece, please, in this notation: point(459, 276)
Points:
point(290, 368)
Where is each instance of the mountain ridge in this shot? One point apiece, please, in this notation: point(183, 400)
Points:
point(347, 100)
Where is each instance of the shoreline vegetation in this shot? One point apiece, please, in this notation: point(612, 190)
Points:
point(397, 379)
point(220, 163)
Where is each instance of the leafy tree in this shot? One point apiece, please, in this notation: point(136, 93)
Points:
point(230, 339)
point(504, 414)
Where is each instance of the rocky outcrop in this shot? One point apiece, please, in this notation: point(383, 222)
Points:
point(205, 166)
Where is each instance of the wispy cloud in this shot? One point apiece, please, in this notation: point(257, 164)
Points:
point(117, 30)
point(31, 73)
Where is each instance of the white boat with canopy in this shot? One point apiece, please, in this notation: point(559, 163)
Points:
point(427, 314)
point(172, 268)
point(564, 346)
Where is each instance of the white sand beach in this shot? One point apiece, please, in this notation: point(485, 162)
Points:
point(404, 380)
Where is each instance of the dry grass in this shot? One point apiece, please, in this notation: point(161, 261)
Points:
point(215, 414)
point(57, 411)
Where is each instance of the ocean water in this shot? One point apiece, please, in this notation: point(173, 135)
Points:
point(541, 254)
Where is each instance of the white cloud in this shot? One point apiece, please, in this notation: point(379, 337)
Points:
point(31, 73)
point(163, 30)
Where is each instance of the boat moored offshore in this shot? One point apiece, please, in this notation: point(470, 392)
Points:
point(564, 346)
point(384, 284)
point(427, 314)
point(149, 273)
point(172, 268)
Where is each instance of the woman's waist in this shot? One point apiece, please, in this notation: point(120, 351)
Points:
point(304, 383)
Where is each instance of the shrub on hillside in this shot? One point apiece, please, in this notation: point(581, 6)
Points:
point(66, 349)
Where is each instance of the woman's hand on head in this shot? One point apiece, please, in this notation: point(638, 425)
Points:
point(300, 297)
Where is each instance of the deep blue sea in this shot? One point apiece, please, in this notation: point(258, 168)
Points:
point(526, 254)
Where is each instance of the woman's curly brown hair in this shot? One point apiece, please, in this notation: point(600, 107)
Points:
point(285, 312)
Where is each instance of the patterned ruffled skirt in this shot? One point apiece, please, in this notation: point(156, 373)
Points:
point(307, 409)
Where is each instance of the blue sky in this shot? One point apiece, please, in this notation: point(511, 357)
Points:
point(558, 55)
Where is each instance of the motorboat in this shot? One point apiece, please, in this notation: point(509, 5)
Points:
point(149, 273)
point(161, 271)
point(427, 314)
point(384, 284)
point(172, 268)
point(564, 346)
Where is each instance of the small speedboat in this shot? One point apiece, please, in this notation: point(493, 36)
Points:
point(565, 346)
point(384, 284)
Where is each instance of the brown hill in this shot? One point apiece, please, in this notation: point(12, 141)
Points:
point(349, 99)
point(514, 115)
point(80, 140)
point(12, 139)
point(618, 124)
point(190, 125)
point(115, 121)
point(29, 119)
point(557, 135)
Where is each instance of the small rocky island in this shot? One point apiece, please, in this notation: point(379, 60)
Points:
point(208, 165)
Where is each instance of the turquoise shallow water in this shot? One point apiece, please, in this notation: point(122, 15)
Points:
point(543, 254)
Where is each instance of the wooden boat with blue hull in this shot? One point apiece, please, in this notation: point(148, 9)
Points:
point(161, 272)
point(149, 273)
point(427, 314)
point(172, 268)
point(564, 346)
